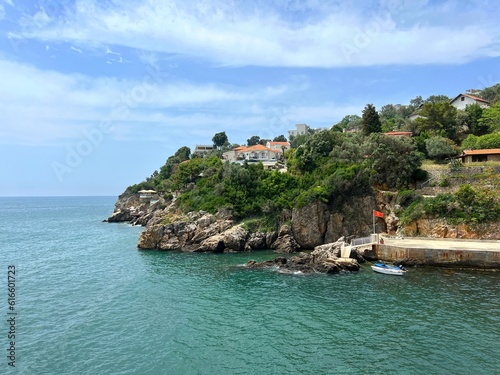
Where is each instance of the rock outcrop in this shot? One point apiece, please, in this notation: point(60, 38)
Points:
point(285, 243)
point(204, 232)
point(317, 223)
point(324, 259)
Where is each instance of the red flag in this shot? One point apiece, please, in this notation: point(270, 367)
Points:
point(378, 213)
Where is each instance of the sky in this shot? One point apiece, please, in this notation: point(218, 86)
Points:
point(95, 95)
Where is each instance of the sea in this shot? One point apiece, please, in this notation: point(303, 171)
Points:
point(85, 300)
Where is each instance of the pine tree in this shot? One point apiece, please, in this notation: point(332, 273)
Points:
point(370, 121)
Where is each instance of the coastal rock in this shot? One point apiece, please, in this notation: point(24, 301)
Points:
point(121, 215)
point(214, 244)
point(151, 239)
point(235, 238)
point(285, 243)
point(309, 224)
point(317, 223)
point(323, 260)
point(270, 238)
point(257, 241)
point(327, 251)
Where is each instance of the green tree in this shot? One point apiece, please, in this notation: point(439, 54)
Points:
point(370, 121)
point(437, 99)
point(220, 139)
point(491, 93)
point(439, 148)
point(438, 118)
point(168, 168)
point(183, 153)
point(350, 122)
point(416, 103)
point(490, 118)
point(487, 141)
point(393, 161)
point(253, 140)
point(280, 138)
point(389, 114)
point(468, 120)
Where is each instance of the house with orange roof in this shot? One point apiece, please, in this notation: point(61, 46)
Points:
point(476, 156)
point(253, 154)
point(463, 100)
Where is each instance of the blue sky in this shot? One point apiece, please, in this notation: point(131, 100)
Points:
point(95, 95)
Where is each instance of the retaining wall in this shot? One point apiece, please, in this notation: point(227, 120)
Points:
point(440, 257)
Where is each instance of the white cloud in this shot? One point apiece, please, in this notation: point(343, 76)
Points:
point(2, 12)
point(43, 107)
point(398, 32)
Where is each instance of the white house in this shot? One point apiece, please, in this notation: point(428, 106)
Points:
point(463, 100)
point(300, 129)
point(278, 146)
point(414, 116)
point(257, 153)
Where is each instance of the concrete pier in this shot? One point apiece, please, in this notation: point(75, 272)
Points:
point(441, 252)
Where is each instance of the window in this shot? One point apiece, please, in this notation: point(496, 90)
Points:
point(479, 158)
point(462, 98)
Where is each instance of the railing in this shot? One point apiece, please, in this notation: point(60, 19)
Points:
point(356, 242)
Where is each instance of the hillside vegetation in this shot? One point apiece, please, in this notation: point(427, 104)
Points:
point(335, 164)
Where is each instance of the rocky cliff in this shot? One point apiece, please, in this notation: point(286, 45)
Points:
point(317, 223)
point(167, 228)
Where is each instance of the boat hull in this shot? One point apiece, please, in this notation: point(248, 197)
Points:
point(388, 270)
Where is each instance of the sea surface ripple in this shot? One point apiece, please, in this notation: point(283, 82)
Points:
point(89, 302)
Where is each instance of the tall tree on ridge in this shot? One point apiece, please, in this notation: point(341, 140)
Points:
point(370, 121)
point(220, 139)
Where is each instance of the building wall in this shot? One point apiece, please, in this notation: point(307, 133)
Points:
point(299, 130)
point(481, 158)
point(461, 104)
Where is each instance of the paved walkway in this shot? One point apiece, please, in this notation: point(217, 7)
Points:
point(444, 244)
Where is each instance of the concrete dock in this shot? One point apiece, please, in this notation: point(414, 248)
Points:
point(441, 252)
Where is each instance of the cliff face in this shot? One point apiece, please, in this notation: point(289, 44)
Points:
point(167, 228)
point(317, 224)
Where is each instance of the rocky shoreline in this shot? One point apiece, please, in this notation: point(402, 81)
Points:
point(303, 229)
point(168, 228)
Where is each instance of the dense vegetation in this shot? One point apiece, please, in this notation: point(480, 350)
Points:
point(469, 205)
point(336, 164)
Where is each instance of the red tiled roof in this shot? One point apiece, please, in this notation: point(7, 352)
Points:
point(476, 98)
point(280, 143)
point(491, 151)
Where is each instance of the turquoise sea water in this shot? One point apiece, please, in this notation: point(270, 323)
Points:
point(88, 302)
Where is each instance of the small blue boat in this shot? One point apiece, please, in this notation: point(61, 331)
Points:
point(388, 270)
